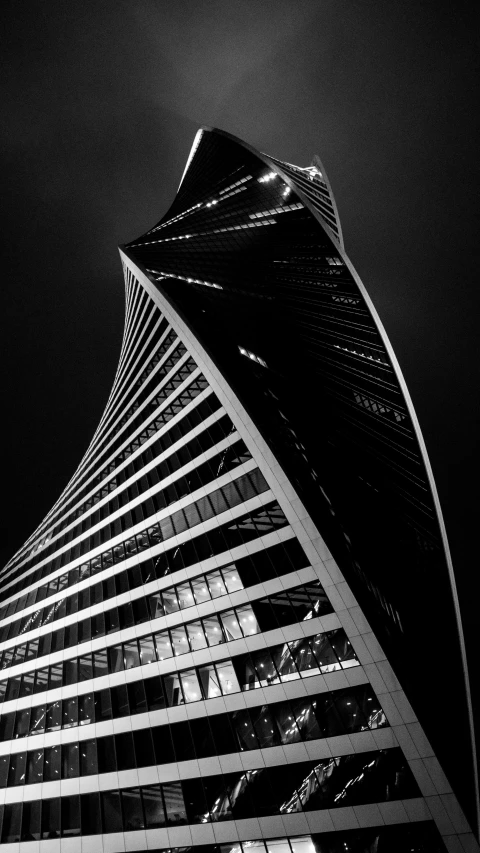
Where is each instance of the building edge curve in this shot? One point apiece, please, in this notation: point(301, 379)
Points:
point(275, 165)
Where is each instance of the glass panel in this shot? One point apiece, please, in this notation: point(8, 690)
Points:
point(51, 767)
point(230, 625)
point(196, 636)
point(38, 720)
point(88, 757)
point(218, 800)
point(147, 650)
point(54, 716)
point(164, 647)
point(111, 811)
point(190, 685)
point(265, 728)
point(132, 655)
point(243, 727)
point(173, 690)
point(174, 803)
point(285, 721)
point(51, 818)
point(136, 697)
point(18, 766)
point(284, 662)
point(247, 620)
point(213, 631)
point(304, 712)
point(216, 584)
point(170, 601)
point(154, 693)
point(264, 668)
point(100, 663)
point(343, 648)
point(85, 668)
point(179, 640)
point(56, 674)
point(31, 825)
point(306, 661)
point(115, 659)
point(12, 816)
point(200, 590)
point(155, 605)
point(35, 766)
point(209, 681)
point(185, 595)
point(70, 713)
point(86, 709)
point(22, 723)
point(70, 816)
point(91, 814)
point(153, 805)
point(70, 760)
point(231, 578)
point(325, 654)
point(227, 678)
point(41, 680)
point(132, 809)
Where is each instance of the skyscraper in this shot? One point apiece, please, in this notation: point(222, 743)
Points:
point(257, 641)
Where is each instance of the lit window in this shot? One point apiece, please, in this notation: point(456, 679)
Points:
point(252, 356)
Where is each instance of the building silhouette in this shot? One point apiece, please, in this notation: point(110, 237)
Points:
point(238, 627)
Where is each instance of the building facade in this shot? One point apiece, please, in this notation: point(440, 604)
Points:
point(238, 628)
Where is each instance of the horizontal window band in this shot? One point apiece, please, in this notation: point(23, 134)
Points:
point(347, 780)
point(306, 719)
point(189, 392)
point(264, 614)
point(199, 413)
point(227, 459)
point(316, 655)
point(287, 557)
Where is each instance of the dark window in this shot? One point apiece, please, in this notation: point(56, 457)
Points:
point(163, 745)
point(70, 760)
point(183, 742)
point(12, 816)
point(174, 803)
point(51, 818)
point(132, 809)
point(153, 805)
point(144, 755)
point(125, 753)
point(106, 755)
point(90, 814)
point(111, 811)
point(31, 820)
point(70, 816)
point(88, 757)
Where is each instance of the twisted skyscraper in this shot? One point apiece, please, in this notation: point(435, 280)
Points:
point(238, 627)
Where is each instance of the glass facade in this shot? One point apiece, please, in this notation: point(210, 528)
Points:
point(179, 651)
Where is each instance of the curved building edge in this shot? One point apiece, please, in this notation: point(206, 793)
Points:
point(274, 166)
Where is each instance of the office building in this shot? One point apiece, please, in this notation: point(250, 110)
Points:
point(238, 628)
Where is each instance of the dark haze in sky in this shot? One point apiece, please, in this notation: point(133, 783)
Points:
point(101, 102)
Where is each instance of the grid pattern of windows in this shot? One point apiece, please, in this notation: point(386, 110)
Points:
point(264, 614)
point(278, 724)
point(237, 575)
point(381, 776)
point(100, 647)
point(186, 396)
point(287, 294)
point(226, 460)
point(196, 416)
point(314, 655)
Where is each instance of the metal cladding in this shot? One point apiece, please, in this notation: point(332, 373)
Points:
point(236, 626)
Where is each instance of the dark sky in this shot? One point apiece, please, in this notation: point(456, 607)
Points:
point(101, 101)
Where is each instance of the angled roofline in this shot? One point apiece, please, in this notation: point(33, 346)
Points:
point(274, 167)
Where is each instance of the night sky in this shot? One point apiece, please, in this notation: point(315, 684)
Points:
point(101, 101)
